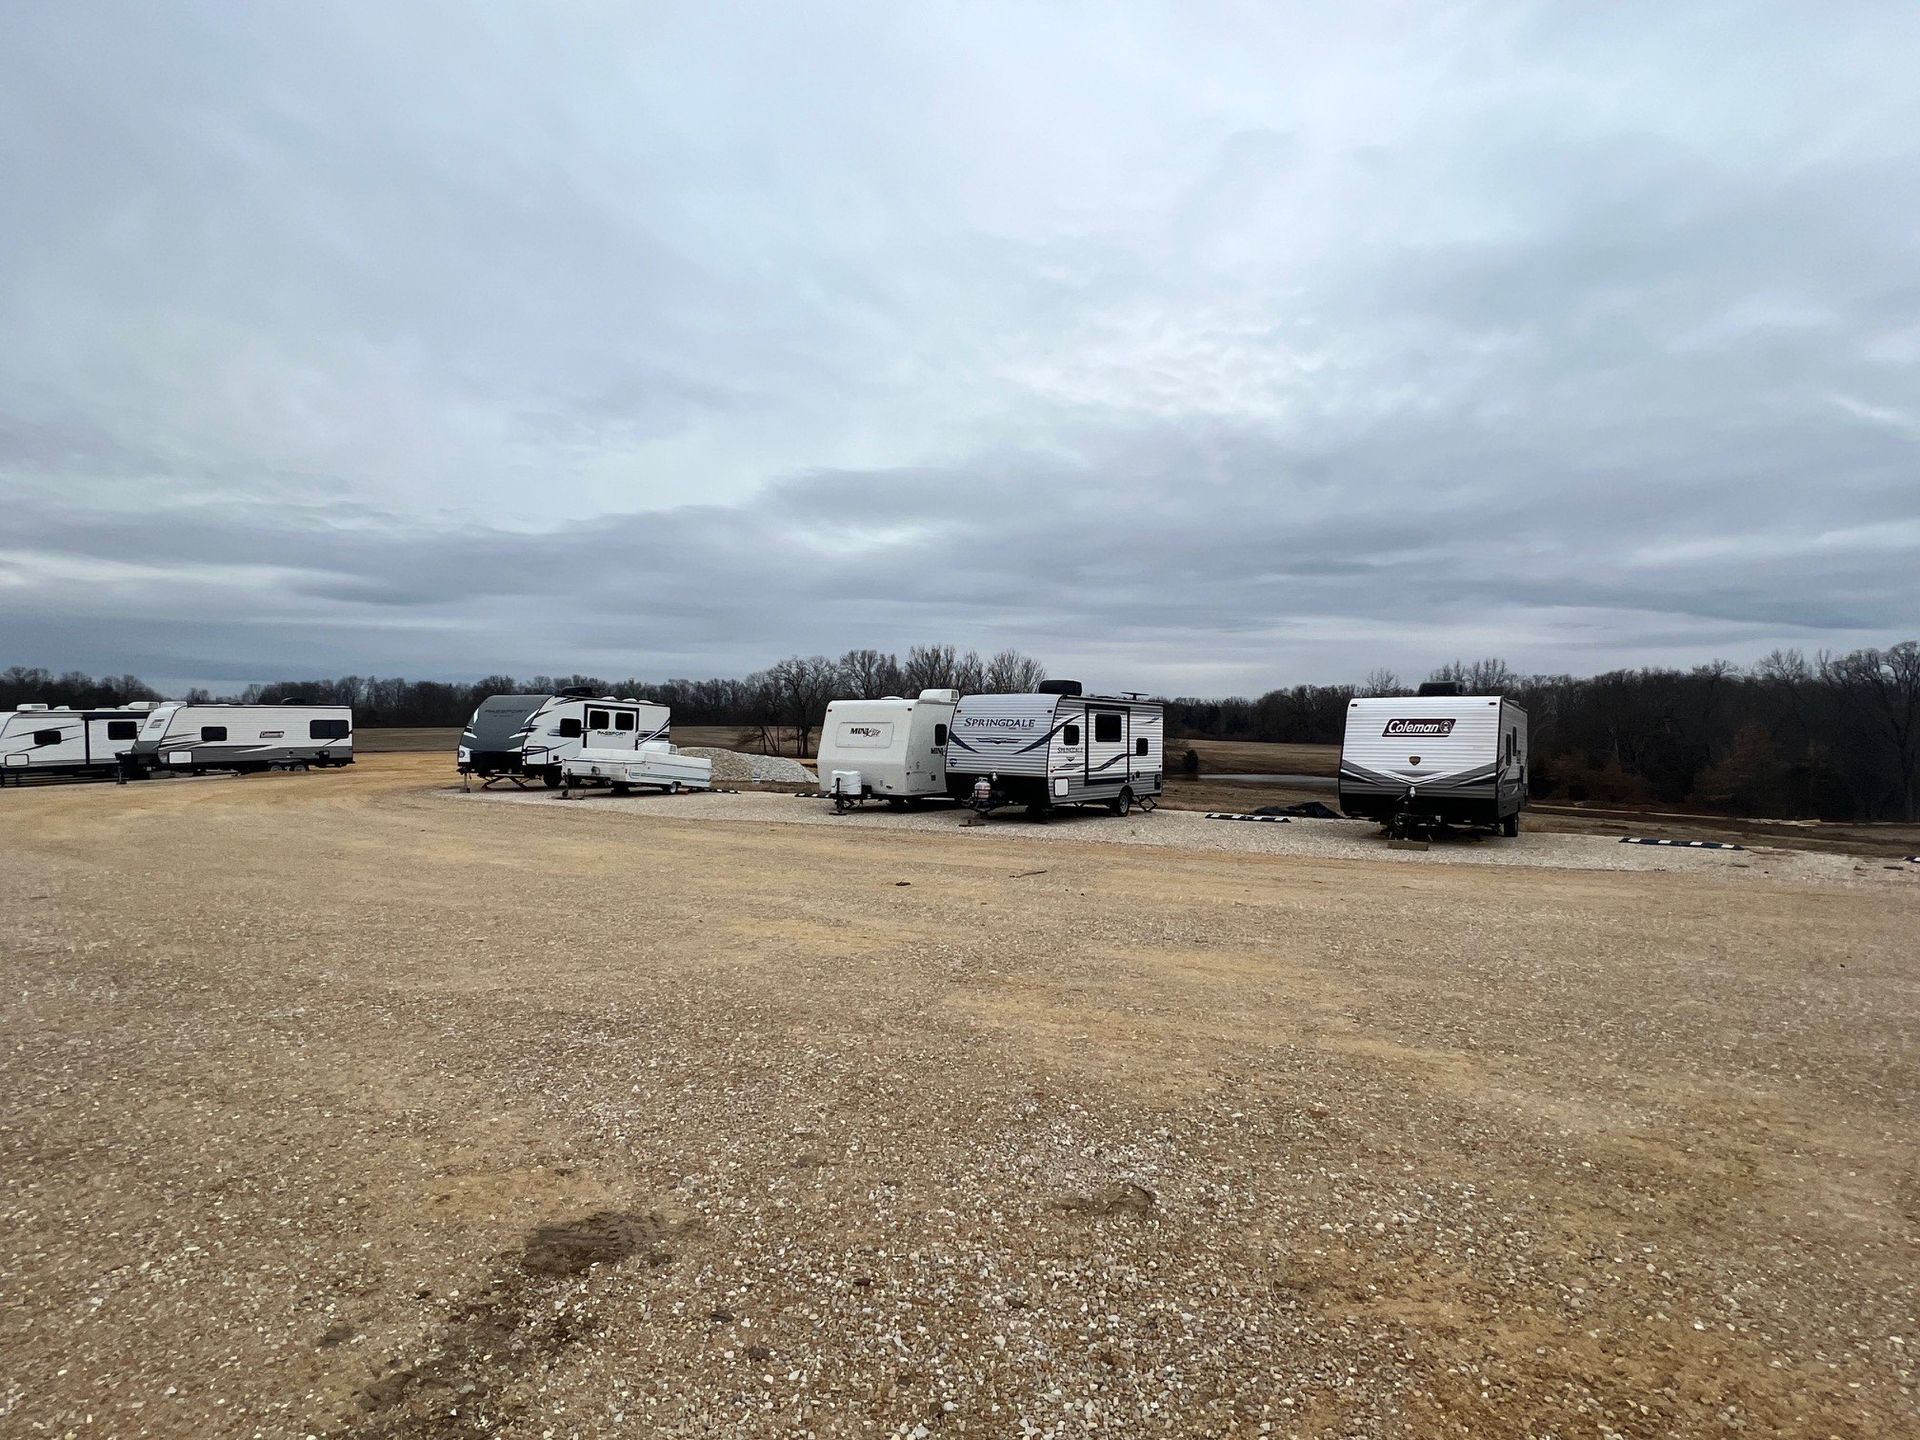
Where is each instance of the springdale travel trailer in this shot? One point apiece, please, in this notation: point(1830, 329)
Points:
point(36, 740)
point(893, 749)
point(195, 738)
point(1435, 759)
point(1055, 747)
point(515, 736)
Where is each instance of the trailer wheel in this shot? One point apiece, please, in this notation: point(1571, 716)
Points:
point(1038, 813)
point(620, 787)
point(1510, 825)
point(894, 802)
point(1122, 804)
point(550, 778)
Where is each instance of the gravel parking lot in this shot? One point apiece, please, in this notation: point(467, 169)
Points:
point(1191, 830)
point(338, 1107)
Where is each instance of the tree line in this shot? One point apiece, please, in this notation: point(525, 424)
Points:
point(1834, 736)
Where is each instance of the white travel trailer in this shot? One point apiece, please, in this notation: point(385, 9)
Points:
point(515, 736)
point(195, 738)
point(1435, 759)
point(1056, 747)
point(37, 740)
point(657, 762)
point(893, 749)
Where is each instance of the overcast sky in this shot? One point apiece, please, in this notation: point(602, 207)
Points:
point(1199, 348)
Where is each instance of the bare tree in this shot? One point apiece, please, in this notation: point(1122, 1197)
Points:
point(1381, 682)
point(1011, 673)
point(929, 667)
point(870, 674)
point(1482, 677)
point(1883, 688)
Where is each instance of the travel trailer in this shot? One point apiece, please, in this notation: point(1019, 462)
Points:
point(515, 737)
point(893, 749)
point(37, 740)
point(1435, 759)
point(655, 763)
point(1055, 747)
point(178, 736)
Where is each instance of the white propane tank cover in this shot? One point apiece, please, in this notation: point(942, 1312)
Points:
point(846, 782)
point(941, 697)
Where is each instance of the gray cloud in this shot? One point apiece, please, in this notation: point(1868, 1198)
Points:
point(1192, 355)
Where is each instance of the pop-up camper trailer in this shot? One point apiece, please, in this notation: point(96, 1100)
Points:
point(1055, 747)
point(36, 740)
point(1435, 759)
point(893, 749)
point(511, 736)
point(195, 738)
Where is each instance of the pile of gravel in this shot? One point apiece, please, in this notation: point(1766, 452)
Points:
point(731, 766)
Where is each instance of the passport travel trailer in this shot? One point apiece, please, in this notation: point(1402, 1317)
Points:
point(512, 737)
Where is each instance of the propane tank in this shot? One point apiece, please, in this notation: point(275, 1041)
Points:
point(982, 794)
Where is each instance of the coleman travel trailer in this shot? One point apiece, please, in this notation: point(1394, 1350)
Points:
point(1055, 747)
point(893, 749)
point(37, 740)
point(516, 737)
point(195, 738)
point(1435, 759)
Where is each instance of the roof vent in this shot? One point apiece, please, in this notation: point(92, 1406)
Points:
point(1058, 687)
point(1440, 687)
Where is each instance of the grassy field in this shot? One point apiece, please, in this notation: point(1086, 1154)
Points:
point(338, 1105)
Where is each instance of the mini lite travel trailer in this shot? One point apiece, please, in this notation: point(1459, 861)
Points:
point(195, 738)
point(893, 749)
point(514, 736)
point(1055, 747)
point(655, 763)
point(1435, 759)
point(36, 740)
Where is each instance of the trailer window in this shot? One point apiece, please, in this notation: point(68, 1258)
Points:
point(1140, 746)
point(596, 719)
point(1070, 735)
point(213, 732)
point(328, 729)
point(940, 735)
point(1106, 729)
point(623, 720)
point(46, 737)
point(568, 729)
point(123, 729)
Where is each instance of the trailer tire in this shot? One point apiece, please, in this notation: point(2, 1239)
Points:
point(620, 787)
point(894, 802)
point(1510, 825)
point(550, 779)
point(1122, 804)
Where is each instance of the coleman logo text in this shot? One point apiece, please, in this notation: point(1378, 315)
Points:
point(1419, 727)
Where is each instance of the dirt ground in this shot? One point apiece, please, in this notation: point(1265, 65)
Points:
point(334, 1108)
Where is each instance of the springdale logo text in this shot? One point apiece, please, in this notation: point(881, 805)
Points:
point(1419, 727)
point(998, 722)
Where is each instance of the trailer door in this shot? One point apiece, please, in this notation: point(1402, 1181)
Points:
point(1106, 744)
